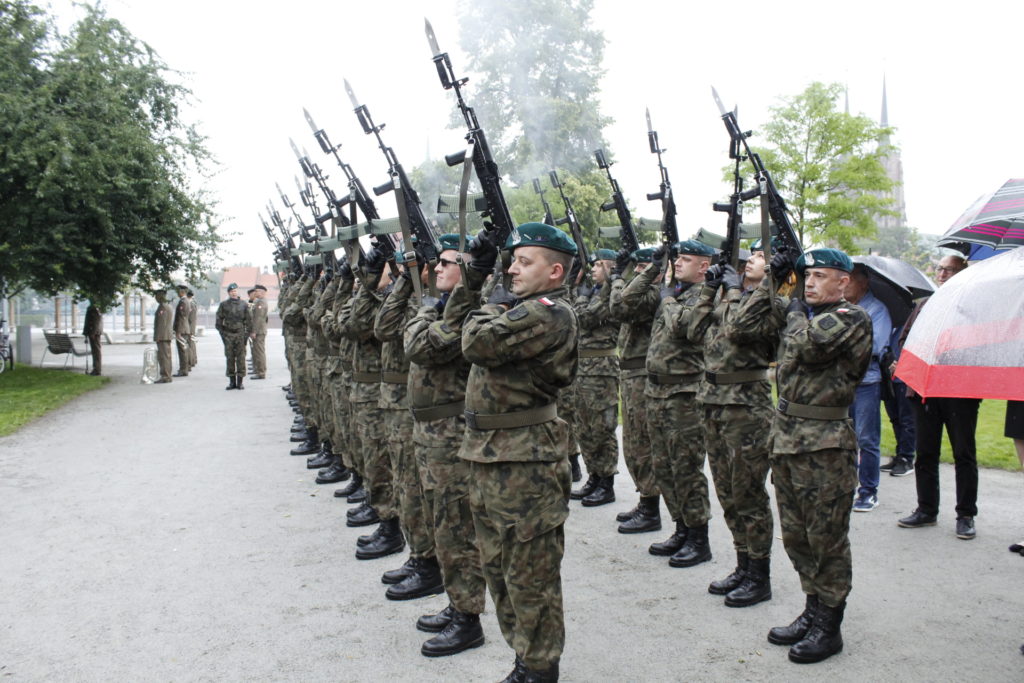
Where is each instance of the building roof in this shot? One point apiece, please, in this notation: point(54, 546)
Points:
point(244, 277)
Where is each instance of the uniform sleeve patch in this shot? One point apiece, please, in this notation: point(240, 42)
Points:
point(842, 310)
point(828, 322)
point(518, 313)
point(546, 301)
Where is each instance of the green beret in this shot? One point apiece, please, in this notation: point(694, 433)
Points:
point(756, 245)
point(540, 235)
point(824, 258)
point(693, 248)
point(606, 255)
point(185, 287)
point(400, 257)
point(449, 241)
point(642, 255)
point(232, 286)
point(261, 287)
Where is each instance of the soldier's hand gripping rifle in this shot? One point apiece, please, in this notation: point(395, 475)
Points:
point(574, 227)
point(627, 232)
point(499, 224)
point(669, 229)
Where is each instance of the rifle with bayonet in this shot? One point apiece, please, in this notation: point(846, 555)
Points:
point(627, 232)
point(734, 207)
point(289, 237)
point(574, 224)
point(318, 228)
point(669, 229)
point(548, 216)
point(498, 225)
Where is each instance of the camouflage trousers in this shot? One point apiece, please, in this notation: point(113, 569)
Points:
point(566, 405)
point(320, 368)
point(597, 415)
point(519, 511)
point(445, 479)
point(736, 438)
point(345, 438)
point(677, 453)
point(377, 475)
point(300, 381)
point(234, 351)
point(408, 487)
point(636, 445)
point(815, 493)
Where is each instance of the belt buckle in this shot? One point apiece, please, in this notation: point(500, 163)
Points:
point(783, 405)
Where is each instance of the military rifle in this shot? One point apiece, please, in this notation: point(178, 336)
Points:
point(627, 232)
point(734, 207)
point(548, 216)
point(669, 229)
point(574, 224)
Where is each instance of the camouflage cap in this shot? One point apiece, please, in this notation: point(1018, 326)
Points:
point(642, 255)
point(605, 254)
point(693, 248)
point(233, 285)
point(825, 257)
point(540, 235)
point(449, 241)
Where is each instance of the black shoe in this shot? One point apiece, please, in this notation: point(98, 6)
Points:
point(549, 676)
point(603, 494)
point(673, 543)
point(300, 436)
point(367, 539)
point(574, 466)
point(353, 486)
point(238, 382)
point(518, 673)
point(696, 549)
point(393, 576)
point(231, 383)
point(308, 447)
point(435, 623)
point(824, 638)
point(360, 496)
point(588, 487)
point(916, 519)
point(389, 543)
point(333, 474)
point(889, 465)
point(364, 515)
point(298, 427)
point(732, 581)
point(903, 467)
point(647, 517)
point(965, 528)
point(628, 514)
point(795, 632)
point(756, 585)
point(463, 632)
point(425, 580)
point(323, 458)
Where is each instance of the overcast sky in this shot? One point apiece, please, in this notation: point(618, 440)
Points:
point(254, 65)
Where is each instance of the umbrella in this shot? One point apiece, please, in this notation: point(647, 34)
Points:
point(995, 220)
point(968, 340)
point(896, 284)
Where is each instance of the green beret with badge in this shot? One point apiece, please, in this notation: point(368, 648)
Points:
point(693, 248)
point(642, 255)
point(448, 241)
point(605, 255)
point(540, 235)
point(825, 257)
point(233, 285)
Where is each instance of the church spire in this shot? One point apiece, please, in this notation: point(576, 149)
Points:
point(885, 106)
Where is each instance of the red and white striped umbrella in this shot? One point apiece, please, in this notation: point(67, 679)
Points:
point(995, 220)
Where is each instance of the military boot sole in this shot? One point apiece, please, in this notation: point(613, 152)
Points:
point(638, 525)
point(373, 553)
point(453, 650)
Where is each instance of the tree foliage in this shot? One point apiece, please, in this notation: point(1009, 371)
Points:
point(97, 167)
point(828, 166)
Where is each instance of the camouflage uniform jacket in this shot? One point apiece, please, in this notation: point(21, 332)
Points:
point(821, 361)
point(329, 322)
point(294, 317)
point(315, 333)
point(233, 317)
point(521, 358)
point(358, 327)
point(388, 327)
point(437, 369)
point(634, 305)
point(730, 349)
point(599, 331)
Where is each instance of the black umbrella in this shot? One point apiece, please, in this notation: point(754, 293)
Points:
point(896, 284)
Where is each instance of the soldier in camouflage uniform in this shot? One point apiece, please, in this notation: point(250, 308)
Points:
point(675, 367)
point(234, 322)
point(523, 352)
point(294, 320)
point(336, 385)
point(634, 338)
point(825, 350)
point(737, 401)
point(596, 406)
point(319, 366)
point(437, 389)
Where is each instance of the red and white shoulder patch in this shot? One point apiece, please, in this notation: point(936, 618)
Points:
point(842, 310)
point(546, 301)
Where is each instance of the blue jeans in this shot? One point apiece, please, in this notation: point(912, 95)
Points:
point(866, 412)
point(901, 415)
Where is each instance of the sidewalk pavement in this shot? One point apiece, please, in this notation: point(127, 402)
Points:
point(162, 532)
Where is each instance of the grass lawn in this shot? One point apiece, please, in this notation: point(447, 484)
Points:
point(27, 392)
point(994, 449)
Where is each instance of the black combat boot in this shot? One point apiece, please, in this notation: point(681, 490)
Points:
point(310, 446)
point(353, 486)
point(673, 543)
point(335, 473)
point(238, 382)
point(389, 543)
point(299, 425)
point(426, 580)
point(647, 517)
point(323, 458)
point(364, 515)
point(360, 496)
point(795, 632)
point(301, 435)
point(518, 673)
point(628, 514)
point(367, 539)
point(435, 623)
point(574, 466)
point(823, 639)
point(463, 632)
point(732, 581)
point(549, 676)
point(603, 494)
point(393, 576)
point(696, 549)
point(588, 487)
point(756, 585)
point(231, 383)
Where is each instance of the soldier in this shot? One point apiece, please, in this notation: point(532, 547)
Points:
point(634, 339)
point(233, 323)
point(319, 366)
point(437, 389)
point(163, 333)
point(181, 332)
point(193, 311)
point(737, 417)
point(597, 386)
point(294, 321)
point(675, 367)
point(93, 331)
point(523, 352)
point(825, 349)
point(260, 318)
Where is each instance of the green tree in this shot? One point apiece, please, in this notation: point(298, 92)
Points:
point(903, 243)
point(98, 171)
point(828, 166)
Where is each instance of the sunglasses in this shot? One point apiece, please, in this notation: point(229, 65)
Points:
point(444, 263)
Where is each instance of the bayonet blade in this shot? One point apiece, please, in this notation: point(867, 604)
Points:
point(431, 38)
point(650, 128)
point(718, 101)
point(280, 192)
point(298, 185)
point(309, 120)
point(295, 149)
point(351, 95)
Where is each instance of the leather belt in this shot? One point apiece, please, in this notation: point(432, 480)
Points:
point(598, 353)
point(632, 363)
point(438, 412)
point(812, 412)
point(738, 377)
point(365, 377)
point(520, 418)
point(394, 377)
point(675, 379)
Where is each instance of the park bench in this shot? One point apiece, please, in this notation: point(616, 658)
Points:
point(61, 343)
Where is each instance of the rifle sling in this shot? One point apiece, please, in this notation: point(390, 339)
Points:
point(519, 418)
point(812, 412)
point(403, 221)
point(463, 208)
